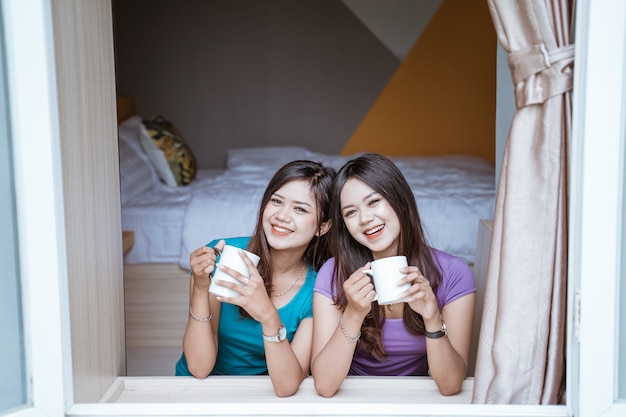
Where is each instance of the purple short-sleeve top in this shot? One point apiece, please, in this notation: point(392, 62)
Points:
point(405, 352)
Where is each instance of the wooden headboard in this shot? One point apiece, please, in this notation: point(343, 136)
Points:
point(125, 108)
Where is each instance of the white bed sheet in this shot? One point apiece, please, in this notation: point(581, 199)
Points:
point(453, 194)
point(228, 208)
point(156, 218)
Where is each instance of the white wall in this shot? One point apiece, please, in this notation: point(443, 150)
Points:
point(505, 106)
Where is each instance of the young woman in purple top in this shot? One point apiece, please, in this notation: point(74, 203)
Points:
point(374, 215)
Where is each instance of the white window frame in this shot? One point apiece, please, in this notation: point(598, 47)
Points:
point(39, 200)
point(595, 217)
point(597, 198)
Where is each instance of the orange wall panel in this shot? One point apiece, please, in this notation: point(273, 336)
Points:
point(441, 100)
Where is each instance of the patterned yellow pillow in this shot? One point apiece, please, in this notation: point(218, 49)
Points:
point(169, 139)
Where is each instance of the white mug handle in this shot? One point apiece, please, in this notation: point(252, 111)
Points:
point(370, 274)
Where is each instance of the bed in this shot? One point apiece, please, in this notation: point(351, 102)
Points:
point(453, 194)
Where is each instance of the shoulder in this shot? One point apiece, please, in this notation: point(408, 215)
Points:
point(324, 277)
point(327, 267)
point(325, 272)
point(457, 278)
point(449, 263)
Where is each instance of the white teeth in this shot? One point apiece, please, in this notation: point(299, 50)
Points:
point(374, 230)
point(282, 229)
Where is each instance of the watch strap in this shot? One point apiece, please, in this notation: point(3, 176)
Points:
point(278, 337)
point(271, 338)
point(440, 333)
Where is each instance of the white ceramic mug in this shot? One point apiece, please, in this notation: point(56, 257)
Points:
point(385, 274)
point(230, 258)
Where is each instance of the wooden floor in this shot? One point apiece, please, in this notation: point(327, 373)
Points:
point(156, 299)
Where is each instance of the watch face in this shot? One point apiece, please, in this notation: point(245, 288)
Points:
point(282, 333)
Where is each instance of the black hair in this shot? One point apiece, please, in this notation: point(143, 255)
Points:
point(384, 177)
point(319, 178)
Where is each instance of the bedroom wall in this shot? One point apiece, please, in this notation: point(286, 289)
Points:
point(397, 23)
point(234, 73)
point(442, 99)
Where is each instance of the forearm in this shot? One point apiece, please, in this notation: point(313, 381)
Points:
point(199, 342)
point(446, 366)
point(331, 366)
point(448, 355)
point(284, 369)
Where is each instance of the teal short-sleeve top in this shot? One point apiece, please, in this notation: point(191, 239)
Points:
point(241, 348)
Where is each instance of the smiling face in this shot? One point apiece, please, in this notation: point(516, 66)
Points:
point(369, 218)
point(290, 218)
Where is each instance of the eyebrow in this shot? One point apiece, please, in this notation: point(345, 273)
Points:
point(304, 203)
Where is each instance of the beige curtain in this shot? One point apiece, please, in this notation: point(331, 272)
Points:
point(521, 352)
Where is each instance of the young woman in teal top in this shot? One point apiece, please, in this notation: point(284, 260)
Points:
point(268, 328)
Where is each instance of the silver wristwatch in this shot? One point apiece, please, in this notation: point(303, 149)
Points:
point(282, 335)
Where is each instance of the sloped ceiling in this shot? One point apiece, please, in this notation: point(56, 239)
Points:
point(397, 23)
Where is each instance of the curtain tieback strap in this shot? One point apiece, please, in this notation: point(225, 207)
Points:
point(539, 74)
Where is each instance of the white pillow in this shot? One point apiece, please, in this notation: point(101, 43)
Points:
point(137, 175)
point(157, 157)
point(253, 159)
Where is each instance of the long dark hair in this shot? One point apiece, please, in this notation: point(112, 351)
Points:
point(320, 180)
point(384, 177)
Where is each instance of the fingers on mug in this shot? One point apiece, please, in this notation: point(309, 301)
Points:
point(385, 274)
point(230, 257)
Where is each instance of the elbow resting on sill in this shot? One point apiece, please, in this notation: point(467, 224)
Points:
point(284, 393)
point(450, 387)
point(326, 393)
point(448, 391)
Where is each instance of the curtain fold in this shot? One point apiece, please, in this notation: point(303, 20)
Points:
point(522, 344)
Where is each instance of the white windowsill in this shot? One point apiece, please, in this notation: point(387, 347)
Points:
point(258, 389)
point(239, 396)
